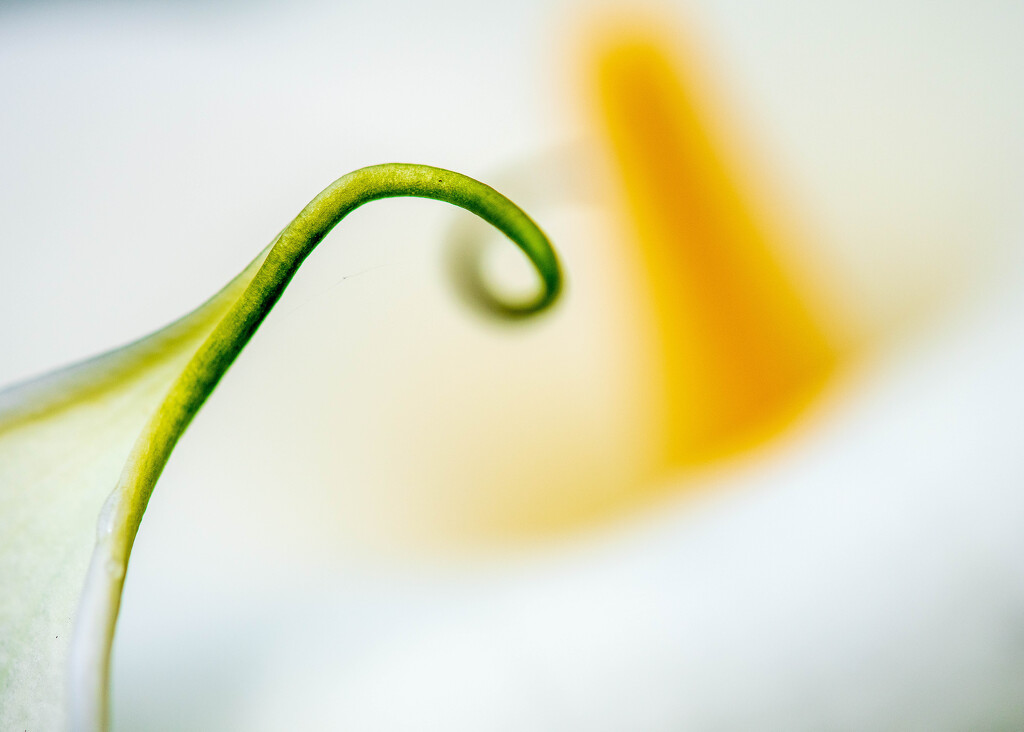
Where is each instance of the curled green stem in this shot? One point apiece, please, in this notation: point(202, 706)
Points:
point(122, 514)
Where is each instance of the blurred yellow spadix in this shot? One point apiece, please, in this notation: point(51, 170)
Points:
point(740, 350)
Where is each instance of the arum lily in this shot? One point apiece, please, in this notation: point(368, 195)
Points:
point(795, 605)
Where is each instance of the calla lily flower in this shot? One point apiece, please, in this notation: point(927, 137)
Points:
point(67, 435)
point(736, 480)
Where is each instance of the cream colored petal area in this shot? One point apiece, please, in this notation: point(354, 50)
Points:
point(64, 440)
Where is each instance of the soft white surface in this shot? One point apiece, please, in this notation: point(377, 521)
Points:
point(867, 577)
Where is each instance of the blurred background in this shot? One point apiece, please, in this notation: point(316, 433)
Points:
point(759, 469)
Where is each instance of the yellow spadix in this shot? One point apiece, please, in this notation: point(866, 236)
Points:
point(740, 349)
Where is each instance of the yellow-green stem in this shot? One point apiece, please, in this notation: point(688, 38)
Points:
point(122, 514)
